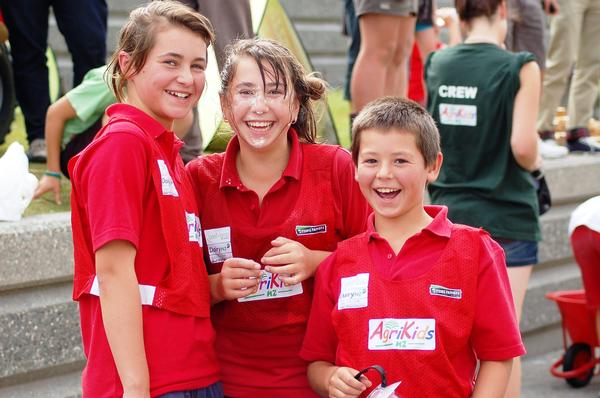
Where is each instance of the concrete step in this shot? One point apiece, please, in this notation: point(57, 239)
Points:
point(40, 334)
point(66, 385)
point(35, 251)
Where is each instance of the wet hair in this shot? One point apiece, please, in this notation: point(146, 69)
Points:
point(273, 58)
point(398, 114)
point(470, 9)
point(138, 36)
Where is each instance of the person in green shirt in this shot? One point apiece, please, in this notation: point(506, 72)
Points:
point(485, 102)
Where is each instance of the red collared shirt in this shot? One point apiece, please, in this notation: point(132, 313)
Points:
point(120, 203)
point(418, 254)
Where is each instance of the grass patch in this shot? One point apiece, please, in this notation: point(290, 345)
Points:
point(340, 111)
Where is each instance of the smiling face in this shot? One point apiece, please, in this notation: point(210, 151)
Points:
point(259, 112)
point(392, 174)
point(172, 79)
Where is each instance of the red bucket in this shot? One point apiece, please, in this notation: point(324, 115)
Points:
point(578, 320)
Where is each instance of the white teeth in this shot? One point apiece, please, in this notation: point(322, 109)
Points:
point(386, 190)
point(259, 125)
point(178, 95)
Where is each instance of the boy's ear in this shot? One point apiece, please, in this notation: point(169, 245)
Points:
point(433, 170)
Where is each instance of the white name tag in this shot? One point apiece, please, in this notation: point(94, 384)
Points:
point(402, 334)
point(218, 242)
point(271, 287)
point(168, 186)
point(458, 115)
point(354, 292)
point(194, 228)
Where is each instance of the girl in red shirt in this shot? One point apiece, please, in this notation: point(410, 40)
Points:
point(272, 207)
point(142, 289)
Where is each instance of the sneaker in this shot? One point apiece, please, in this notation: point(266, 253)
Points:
point(37, 151)
point(584, 144)
point(549, 149)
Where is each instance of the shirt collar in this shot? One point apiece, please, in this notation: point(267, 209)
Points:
point(150, 125)
point(230, 176)
point(440, 225)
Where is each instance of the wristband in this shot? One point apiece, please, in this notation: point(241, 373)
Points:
point(53, 174)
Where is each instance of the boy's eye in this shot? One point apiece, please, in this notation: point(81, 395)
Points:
point(400, 161)
point(246, 92)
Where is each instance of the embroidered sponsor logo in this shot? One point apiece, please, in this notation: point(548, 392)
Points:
point(402, 334)
point(458, 115)
point(310, 229)
point(271, 287)
point(218, 243)
point(168, 186)
point(436, 290)
point(194, 228)
point(354, 292)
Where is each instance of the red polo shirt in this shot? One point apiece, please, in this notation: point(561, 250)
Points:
point(119, 202)
point(417, 256)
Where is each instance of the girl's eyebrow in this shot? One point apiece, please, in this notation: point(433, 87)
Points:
point(179, 56)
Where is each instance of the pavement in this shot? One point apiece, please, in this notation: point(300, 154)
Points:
point(539, 383)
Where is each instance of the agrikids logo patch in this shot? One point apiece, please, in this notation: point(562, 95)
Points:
point(271, 287)
point(310, 229)
point(402, 334)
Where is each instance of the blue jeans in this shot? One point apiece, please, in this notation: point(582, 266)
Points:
point(212, 391)
point(83, 25)
point(519, 252)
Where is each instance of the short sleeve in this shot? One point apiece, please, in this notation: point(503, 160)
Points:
point(320, 340)
point(494, 307)
point(351, 205)
point(91, 98)
point(113, 183)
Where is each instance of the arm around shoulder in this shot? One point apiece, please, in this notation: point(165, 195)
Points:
point(524, 137)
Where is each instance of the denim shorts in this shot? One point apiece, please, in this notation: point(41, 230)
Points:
point(519, 252)
point(212, 391)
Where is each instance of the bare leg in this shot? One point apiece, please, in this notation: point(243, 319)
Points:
point(519, 279)
point(381, 49)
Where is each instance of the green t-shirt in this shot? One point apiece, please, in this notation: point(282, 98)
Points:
point(471, 93)
point(89, 99)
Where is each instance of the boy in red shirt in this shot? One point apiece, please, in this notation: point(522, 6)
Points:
point(423, 297)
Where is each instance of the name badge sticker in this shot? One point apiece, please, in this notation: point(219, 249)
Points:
point(218, 242)
point(194, 228)
point(168, 186)
point(402, 334)
point(458, 115)
point(354, 292)
point(271, 287)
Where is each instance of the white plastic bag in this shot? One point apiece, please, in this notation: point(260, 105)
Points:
point(17, 184)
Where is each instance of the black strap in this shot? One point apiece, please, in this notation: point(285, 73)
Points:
point(379, 370)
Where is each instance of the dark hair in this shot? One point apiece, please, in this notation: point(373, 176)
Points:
point(469, 9)
point(137, 37)
point(395, 113)
point(287, 71)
